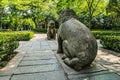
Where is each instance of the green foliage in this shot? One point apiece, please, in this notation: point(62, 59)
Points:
point(28, 24)
point(113, 10)
point(9, 42)
point(4, 30)
point(20, 15)
point(5, 57)
point(40, 30)
point(7, 46)
point(18, 35)
point(99, 33)
point(111, 42)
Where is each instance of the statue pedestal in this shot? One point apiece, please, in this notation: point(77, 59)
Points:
point(90, 69)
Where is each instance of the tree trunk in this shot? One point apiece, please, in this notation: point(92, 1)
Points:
point(90, 20)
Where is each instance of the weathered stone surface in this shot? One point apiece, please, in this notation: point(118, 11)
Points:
point(108, 60)
point(94, 68)
point(38, 62)
point(66, 14)
point(5, 78)
point(44, 43)
point(109, 76)
point(39, 57)
point(38, 53)
point(55, 75)
point(51, 32)
point(45, 47)
point(77, 43)
point(40, 68)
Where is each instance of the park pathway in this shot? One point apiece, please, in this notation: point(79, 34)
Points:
point(37, 60)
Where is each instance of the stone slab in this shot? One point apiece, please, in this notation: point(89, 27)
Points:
point(39, 57)
point(35, 46)
point(45, 47)
point(94, 68)
point(108, 60)
point(34, 69)
point(5, 78)
point(54, 75)
point(44, 43)
point(24, 49)
point(108, 76)
point(37, 53)
point(38, 62)
point(35, 49)
point(53, 47)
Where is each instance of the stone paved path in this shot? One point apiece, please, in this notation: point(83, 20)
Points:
point(37, 60)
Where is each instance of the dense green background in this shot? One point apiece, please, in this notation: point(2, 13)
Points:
point(27, 14)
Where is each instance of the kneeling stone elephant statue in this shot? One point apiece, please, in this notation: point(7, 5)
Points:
point(77, 43)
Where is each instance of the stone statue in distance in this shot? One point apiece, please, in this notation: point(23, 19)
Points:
point(51, 32)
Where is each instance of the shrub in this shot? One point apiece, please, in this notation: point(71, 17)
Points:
point(100, 33)
point(28, 24)
point(7, 46)
point(9, 42)
point(18, 35)
point(40, 30)
point(4, 30)
point(111, 42)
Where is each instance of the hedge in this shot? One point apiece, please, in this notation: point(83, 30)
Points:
point(111, 42)
point(4, 30)
point(19, 35)
point(7, 46)
point(40, 30)
point(100, 33)
point(9, 42)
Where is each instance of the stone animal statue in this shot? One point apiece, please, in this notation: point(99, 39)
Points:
point(51, 32)
point(76, 42)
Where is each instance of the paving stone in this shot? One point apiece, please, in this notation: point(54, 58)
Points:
point(39, 57)
point(5, 78)
point(55, 47)
point(44, 44)
point(38, 62)
point(45, 47)
point(40, 68)
point(7, 72)
point(94, 68)
point(108, 60)
point(109, 76)
point(89, 74)
point(113, 67)
point(25, 48)
point(35, 49)
point(52, 44)
point(28, 45)
point(55, 75)
point(36, 45)
point(38, 53)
